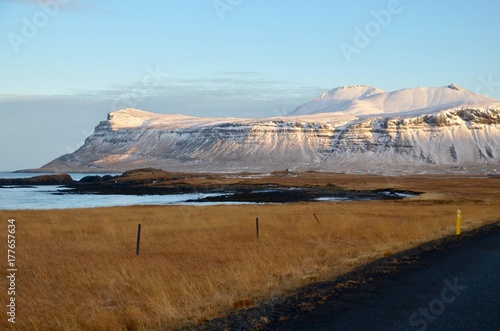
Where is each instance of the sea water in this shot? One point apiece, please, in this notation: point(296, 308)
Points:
point(50, 197)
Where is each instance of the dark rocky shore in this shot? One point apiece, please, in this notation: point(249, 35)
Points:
point(278, 187)
point(62, 179)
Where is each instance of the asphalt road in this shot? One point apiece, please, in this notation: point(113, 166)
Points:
point(457, 288)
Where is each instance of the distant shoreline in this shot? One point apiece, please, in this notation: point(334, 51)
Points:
point(277, 187)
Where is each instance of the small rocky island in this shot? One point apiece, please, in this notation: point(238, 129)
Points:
point(58, 179)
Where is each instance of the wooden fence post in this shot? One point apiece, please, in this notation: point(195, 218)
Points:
point(257, 226)
point(138, 239)
point(317, 220)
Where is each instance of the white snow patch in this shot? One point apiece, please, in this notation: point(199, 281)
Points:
point(366, 100)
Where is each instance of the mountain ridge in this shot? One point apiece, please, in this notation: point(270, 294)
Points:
point(423, 134)
point(367, 100)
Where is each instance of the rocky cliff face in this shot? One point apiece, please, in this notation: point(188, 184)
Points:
point(462, 139)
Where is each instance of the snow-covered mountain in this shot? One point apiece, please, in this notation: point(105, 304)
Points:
point(366, 100)
point(348, 129)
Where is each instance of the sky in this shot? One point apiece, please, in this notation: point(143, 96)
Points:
point(65, 64)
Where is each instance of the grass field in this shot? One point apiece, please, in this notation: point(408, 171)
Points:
point(77, 269)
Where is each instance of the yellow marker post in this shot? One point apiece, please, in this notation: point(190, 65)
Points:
point(459, 221)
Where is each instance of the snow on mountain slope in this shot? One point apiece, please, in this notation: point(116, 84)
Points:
point(339, 99)
point(365, 100)
point(411, 130)
point(132, 118)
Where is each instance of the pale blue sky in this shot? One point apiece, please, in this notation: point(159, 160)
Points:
point(64, 67)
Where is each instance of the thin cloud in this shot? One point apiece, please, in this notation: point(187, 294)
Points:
point(237, 73)
point(214, 95)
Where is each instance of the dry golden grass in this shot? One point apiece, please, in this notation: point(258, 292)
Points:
point(78, 269)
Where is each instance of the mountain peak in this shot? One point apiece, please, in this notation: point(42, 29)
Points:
point(454, 86)
point(366, 100)
point(128, 117)
point(128, 112)
point(352, 92)
point(352, 87)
